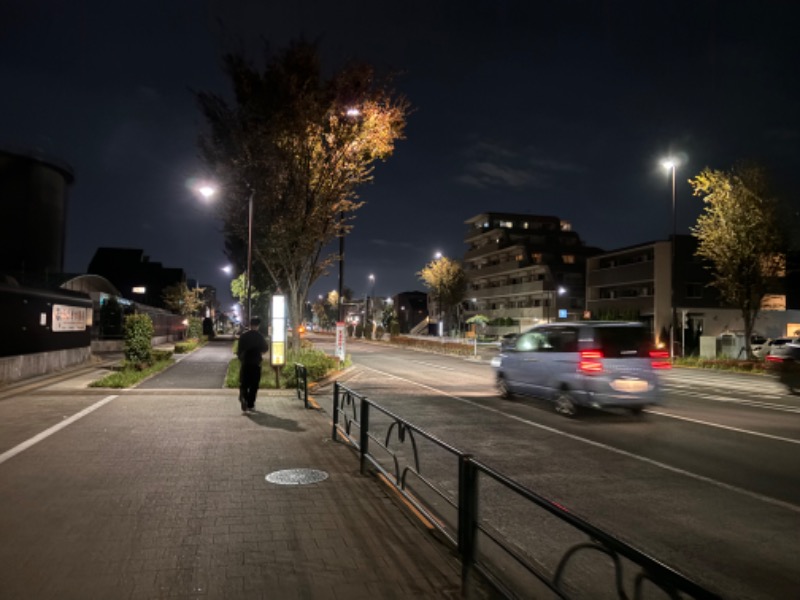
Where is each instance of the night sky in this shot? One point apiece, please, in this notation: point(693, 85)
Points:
point(555, 108)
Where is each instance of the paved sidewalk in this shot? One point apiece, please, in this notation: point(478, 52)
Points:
point(162, 493)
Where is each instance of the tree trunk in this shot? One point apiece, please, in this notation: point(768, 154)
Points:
point(749, 318)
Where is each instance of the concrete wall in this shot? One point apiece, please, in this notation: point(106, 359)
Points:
point(15, 368)
point(769, 323)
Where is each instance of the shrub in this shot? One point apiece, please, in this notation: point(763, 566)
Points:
point(195, 328)
point(725, 364)
point(161, 355)
point(317, 364)
point(395, 329)
point(379, 332)
point(359, 330)
point(186, 346)
point(138, 333)
point(435, 345)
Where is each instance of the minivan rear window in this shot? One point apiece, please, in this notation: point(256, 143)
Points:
point(623, 342)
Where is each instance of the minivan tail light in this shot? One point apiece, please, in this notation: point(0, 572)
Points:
point(660, 359)
point(773, 358)
point(590, 362)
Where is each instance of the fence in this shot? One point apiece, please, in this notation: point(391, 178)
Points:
point(484, 548)
point(301, 376)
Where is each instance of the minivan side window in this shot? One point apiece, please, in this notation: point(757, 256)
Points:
point(563, 339)
point(531, 341)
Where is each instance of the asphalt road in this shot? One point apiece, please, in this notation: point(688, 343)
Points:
point(707, 484)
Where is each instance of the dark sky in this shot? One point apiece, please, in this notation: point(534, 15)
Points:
point(557, 108)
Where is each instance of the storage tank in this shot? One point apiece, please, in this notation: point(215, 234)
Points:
point(33, 201)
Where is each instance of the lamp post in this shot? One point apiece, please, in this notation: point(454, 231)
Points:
point(352, 113)
point(207, 191)
point(367, 302)
point(340, 312)
point(671, 165)
point(439, 315)
point(561, 291)
point(250, 254)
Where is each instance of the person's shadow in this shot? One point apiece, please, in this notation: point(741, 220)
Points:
point(267, 420)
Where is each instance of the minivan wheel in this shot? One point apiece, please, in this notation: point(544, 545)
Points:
point(565, 405)
point(636, 411)
point(502, 388)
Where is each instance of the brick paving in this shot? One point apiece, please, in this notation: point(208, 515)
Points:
point(161, 493)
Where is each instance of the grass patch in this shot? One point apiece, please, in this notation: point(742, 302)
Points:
point(189, 345)
point(317, 363)
point(434, 345)
point(129, 374)
point(759, 367)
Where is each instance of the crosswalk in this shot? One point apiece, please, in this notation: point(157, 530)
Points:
point(762, 392)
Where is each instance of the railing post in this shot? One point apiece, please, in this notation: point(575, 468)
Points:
point(304, 371)
point(364, 433)
point(467, 515)
point(335, 410)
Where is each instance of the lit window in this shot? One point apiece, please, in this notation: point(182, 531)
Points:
point(569, 259)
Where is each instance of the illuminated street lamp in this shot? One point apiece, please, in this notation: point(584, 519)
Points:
point(366, 302)
point(208, 191)
point(671, 164)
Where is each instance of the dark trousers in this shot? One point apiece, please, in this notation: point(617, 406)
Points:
point(249, 377)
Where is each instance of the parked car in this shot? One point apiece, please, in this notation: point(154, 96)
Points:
point(758, 345)
point(584, 364)
point(777, 347)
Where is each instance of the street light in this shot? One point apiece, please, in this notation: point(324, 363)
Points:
point(208, 190)
point(367, 301)
point(671, 164)
point(352, 113)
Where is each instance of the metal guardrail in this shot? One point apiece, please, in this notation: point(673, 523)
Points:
point(301, 376)
point(353, 410)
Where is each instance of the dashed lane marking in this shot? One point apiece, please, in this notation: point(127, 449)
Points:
point(732, 488)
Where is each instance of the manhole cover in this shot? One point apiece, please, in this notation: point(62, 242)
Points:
point(297, 476)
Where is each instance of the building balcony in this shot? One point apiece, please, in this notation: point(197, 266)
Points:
point(636, 272)
point(517, 289)
point(483, 249)
point(509, 266)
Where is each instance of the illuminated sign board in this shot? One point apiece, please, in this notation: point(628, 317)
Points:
point(277, 352)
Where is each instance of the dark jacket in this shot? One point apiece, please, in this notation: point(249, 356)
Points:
point(251, 346)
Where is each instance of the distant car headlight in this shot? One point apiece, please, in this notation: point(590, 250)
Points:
point(496, 361)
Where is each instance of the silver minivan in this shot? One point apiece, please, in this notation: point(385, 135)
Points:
point(597, 364)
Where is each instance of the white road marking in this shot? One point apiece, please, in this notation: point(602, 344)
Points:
point(742, 401)
point(435, 366)
point(48, 432)
point(655, 463)
point(729, 428)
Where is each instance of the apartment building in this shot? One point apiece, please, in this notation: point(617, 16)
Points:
point(529, 268)
point(637, 283)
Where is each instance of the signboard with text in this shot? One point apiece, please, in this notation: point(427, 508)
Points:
point(341, 336)
point(69, 318)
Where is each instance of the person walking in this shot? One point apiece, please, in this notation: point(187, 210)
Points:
point(251, 348)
